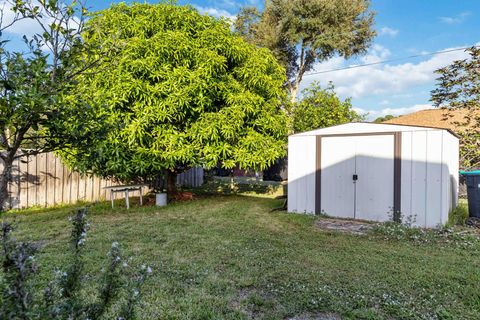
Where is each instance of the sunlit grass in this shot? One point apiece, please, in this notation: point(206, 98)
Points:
point(229, 257)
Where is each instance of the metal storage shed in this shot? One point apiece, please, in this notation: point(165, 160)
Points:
point(371, 171)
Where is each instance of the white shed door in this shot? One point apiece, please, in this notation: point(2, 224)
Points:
point(374, 168)
point(338, 167)
point(357, 174)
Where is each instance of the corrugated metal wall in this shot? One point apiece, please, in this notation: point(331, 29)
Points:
point(429, 175)
point(370, 158)
point(301, 174)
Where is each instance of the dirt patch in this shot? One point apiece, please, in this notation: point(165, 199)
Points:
point(254, 304)
point(316, 316)
point(239, 302)
point(343, 225)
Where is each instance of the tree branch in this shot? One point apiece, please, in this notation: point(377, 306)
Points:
point(15, 19)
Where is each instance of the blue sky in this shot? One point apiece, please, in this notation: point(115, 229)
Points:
point(405, 28)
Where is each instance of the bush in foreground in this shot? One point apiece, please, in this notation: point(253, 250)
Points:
point(63, 297)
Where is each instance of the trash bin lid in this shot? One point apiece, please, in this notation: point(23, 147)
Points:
point(470, 173)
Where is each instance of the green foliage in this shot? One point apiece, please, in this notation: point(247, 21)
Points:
point(458, 84)
point(470, 147)
point(239, 185)
point(36, 114)
point(17, 264)
point(320, 108)
point(179, 89)
point(459, 215)
point(458, 87)
point(64, 296)
point(37, 111)
point(301, 33)
point(383, 119)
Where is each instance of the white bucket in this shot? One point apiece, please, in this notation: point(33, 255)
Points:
point(161, 199)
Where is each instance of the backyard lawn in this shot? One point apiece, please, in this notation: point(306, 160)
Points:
point(229, 257)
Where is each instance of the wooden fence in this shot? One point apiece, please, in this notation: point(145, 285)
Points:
point(43, 180)
point(191, 178)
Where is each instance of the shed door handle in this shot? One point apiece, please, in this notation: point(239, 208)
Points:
point(355, 177)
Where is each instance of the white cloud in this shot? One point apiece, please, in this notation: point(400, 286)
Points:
point(382, 78)
point(28, 26)
point(386, 31)
point(235, 4)
point(373, 114)
point(228, 3)
point(23, 27)
point(459, 18)
point(376, 54)
point(215, 12)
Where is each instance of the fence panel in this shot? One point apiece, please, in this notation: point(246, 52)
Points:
point(43, 180)
point(191, 178)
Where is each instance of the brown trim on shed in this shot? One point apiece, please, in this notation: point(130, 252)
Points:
point(318, 175)
point(397, 176)
point(397, 167)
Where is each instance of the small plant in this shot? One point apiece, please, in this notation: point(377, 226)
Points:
point(458, 216)
point(441, 236)
point(18, 265)
point(63, 296)
point(397, 216)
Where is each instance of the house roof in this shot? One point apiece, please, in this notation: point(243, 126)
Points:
point(367, 127)
point(453, 120)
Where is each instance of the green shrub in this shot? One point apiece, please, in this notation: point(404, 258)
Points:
point(458, 216)
point(63, 297)
point(240, 185)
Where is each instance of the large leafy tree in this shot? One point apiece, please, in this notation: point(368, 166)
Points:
point(320, 108)
point(181, 90)
point(458, 87)
point(37, 112)
point(384, 118)
point(303, 32)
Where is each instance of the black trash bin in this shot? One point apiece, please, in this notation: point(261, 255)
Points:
point(472, 179)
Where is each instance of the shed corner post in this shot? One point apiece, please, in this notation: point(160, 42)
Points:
point(397, 177)
point(318, 175)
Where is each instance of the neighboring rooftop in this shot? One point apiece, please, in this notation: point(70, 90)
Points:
point(436, 118)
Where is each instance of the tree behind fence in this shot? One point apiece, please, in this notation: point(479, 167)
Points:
point(43, 180)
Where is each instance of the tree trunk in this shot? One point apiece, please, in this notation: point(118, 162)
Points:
point(298, 78)
point(293, 93)
point(5, 178)
point(171, 183)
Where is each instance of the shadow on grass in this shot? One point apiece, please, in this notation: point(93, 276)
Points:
point(241, 186)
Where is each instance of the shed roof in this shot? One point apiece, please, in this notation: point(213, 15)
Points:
point(367, 127)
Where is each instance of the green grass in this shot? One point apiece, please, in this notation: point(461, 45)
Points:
point(241, 186)
point(229, 257)
point(459, 215)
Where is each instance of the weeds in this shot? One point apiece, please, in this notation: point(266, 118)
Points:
point(446, 236)
point(63, 297)
point(214, 253)
point(458, 216)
